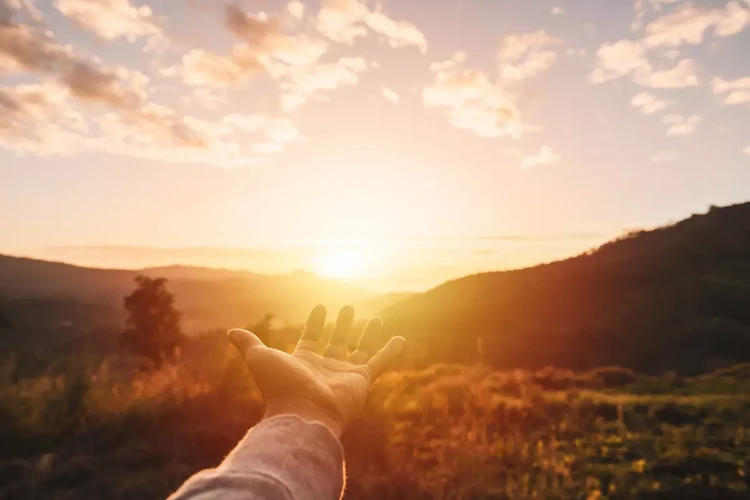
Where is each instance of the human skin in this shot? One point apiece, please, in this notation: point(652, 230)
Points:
point(330, 388)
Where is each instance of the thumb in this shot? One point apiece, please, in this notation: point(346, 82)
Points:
point(385, 356)
point(244, 341)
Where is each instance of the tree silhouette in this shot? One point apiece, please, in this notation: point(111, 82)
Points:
point(153, 325)
point(263, 328)
point(5, 323)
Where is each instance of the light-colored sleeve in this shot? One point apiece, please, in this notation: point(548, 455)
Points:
point(284, 458)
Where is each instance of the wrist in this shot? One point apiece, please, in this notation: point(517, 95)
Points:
point(306, 410)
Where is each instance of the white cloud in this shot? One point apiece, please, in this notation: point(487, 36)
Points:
point(304, 83)
point(679, 125)
point(619, 59)
point(526, 55)
point(647, 103)
point(735, 91)
point(690, 24)
point(556, 11)
point(746, 150)
point(346, 20)
point(390, 95)
point(684, 74)
point(111, 19)
point(471, 101)
point(546, 156)
point(296, 9)
point(666, 156)
point(629, 58)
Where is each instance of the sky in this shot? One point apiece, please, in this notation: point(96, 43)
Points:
point(397, 144)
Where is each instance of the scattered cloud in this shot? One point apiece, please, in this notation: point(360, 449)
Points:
point(111, 19)
point(679, 125)
point(689, 24)
point(556, 11)
point(733, 91)
point(305, 83)
point(346, 20)
point(629, 58)
point(296, 9)
point(471, 101)
point(666, 156)
point(391, 95)
point(619, 59)
point(746, 150)
point(546, 156)
point(684, 74)
point(647, 103)
point(526, 55)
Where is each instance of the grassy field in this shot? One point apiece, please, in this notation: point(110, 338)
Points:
point(87, 431)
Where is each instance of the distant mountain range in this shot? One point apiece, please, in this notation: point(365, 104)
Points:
point(39, 296)
point(673, 298)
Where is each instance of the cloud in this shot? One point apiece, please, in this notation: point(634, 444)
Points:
point(471, 101)
point(734, 91)
point(688, 25)
point(37, 118)
point(346, 20)
point(84, 105)
point(111, 19)
point(556, 11)
point(33, 51)
point(679, 125)
point(666, 156)
point(629, 58)
point(546, 156)
point(619, 59)
point(304, 83)
point(746, 150)
point(684, 74)
point(647, 103)
point(296, 9)
point(266, 40)
point(526, 55)
point(390, 95)
point(202, 68)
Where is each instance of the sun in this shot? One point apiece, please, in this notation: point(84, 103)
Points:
point(340, 263)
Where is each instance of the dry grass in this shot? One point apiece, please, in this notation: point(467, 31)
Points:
point(446, 432)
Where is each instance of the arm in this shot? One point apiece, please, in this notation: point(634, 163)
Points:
point(294, 452)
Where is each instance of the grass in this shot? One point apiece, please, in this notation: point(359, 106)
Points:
point(455, 432)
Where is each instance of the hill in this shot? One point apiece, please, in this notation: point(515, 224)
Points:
point(50, 303)
point(672, 298)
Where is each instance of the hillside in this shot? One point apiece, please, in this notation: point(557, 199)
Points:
point(54, 302)
point(673, 298)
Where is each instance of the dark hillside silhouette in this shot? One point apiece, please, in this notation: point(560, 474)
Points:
point(673, 298)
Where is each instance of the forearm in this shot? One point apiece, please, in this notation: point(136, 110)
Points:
point(283, 457)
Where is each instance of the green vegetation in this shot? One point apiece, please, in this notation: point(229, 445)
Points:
point(89, 431)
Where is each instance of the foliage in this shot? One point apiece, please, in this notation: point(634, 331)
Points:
point(153, 324)
point(447, 432)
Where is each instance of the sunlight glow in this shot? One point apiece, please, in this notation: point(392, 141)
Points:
point(341, 263)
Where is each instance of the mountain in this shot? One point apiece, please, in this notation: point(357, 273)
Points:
point(52, 302)
point(672, 298)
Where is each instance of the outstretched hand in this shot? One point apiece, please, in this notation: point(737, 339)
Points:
point(330, 389)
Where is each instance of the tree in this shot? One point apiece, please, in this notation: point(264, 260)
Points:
point(5, 323)
point(153, 325)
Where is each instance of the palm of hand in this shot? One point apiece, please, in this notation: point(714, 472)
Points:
point(331, 388)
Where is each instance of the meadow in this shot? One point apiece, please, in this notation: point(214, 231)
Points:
point(93, 429)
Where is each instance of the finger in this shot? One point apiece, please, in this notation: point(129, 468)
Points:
point(385, 356)
point(368, 342)
point(245, 342)
point(311, 334)
point(337, 347)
